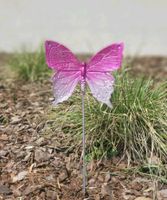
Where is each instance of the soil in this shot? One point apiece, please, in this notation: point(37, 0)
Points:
point(31, 168)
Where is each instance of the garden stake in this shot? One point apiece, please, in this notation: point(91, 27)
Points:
point(69, 71)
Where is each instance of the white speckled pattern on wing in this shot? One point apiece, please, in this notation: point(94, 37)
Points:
point(64, 84)
point(101, 86)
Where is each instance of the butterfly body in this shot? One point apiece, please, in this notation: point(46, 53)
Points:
point(83, 70)
point(69, 71)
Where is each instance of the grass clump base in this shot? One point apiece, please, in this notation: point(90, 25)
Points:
point(136, 127)
point(29, 66)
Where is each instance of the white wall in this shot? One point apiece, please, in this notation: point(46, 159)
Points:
point(85, 25)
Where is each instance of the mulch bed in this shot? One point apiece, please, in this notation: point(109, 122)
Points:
point(31, 168)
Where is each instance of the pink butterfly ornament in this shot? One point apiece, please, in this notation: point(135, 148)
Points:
point(69, 71)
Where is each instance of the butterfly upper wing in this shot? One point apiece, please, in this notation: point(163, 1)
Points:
point(67, 67)
point(60, 57)
point(108, 59)
point(98, 77)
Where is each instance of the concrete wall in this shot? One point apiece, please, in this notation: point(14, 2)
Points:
point(85, 25)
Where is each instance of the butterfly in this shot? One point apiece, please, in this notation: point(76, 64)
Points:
point(69, 71)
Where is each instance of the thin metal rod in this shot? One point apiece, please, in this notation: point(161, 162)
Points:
point(83, 137)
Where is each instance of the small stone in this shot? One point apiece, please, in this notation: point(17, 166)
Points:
point(15, 120)
point(20, 176)
point(41, 156)
point(5, 190)
point(50, 150)
point(50, 177)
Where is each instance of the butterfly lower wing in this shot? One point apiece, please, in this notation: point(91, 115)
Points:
point(64, 83)
point(59, 57)
point(108, 59)
point(101, 86)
